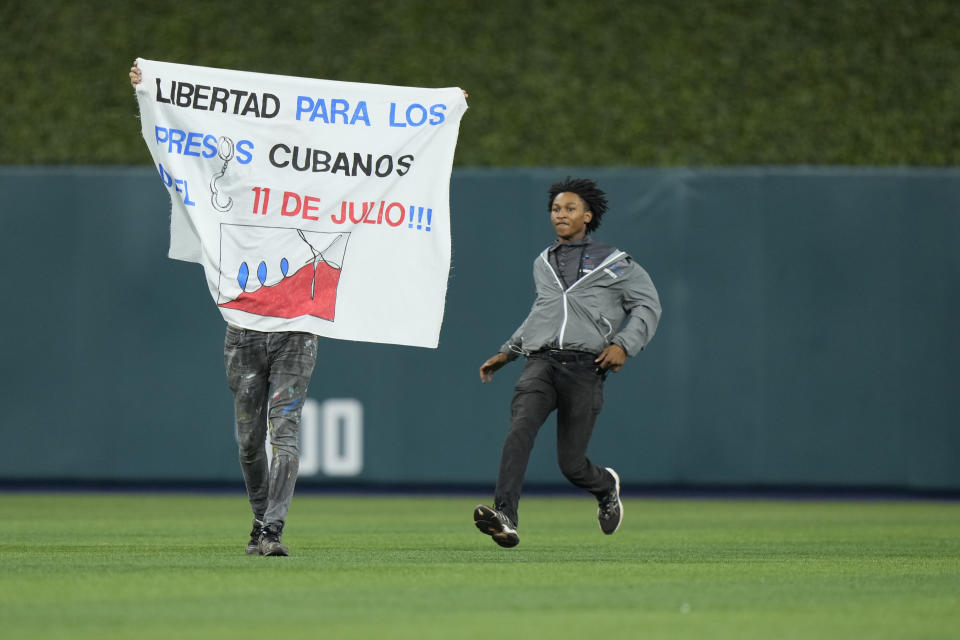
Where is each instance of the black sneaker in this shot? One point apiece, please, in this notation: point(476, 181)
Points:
point(610, 511)
point(270, 541)
point(253, 547)
point(495, 524)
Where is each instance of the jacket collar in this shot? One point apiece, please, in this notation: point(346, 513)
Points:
point(582, 242)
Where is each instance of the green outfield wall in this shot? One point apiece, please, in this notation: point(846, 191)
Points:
point(809, 337)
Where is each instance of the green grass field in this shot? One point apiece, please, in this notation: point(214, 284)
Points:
point(172, 566)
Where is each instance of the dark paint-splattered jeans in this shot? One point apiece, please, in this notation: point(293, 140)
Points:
point(269, 374)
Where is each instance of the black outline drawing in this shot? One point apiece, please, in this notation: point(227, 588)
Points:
point(318, 256)
point(214, 189)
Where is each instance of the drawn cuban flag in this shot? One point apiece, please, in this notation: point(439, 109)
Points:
point(280, 272)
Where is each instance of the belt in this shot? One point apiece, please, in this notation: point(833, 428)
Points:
point(564, 356)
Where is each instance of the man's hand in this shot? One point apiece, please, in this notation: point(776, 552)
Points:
point(135, 75)
point(488, 368)
point(612, 358)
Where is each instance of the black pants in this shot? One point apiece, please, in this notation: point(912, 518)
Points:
point(569, 383)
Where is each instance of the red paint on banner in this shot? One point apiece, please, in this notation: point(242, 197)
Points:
point(301, 294)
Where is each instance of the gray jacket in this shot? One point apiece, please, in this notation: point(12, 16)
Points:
point(615, 302)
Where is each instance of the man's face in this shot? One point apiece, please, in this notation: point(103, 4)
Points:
point(569, 215)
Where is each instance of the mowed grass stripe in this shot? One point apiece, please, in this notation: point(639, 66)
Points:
point(151, 566)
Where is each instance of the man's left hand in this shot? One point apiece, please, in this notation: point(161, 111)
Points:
point(612, 358)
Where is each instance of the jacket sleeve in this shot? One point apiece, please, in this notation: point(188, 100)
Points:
point(514, 346)
point(511, 348)
point(642, 305)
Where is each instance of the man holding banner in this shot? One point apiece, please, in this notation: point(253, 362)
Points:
point(316, 208)
point(594, 307)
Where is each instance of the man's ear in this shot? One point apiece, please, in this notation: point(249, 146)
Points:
point(588, 215)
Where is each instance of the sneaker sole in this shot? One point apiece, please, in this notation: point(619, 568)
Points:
point(616, 478)
point(487, 522)
point(276, 552)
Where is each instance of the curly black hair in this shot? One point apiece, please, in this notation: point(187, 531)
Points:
point(595, 199)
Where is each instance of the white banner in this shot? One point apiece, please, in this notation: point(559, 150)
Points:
point(312, 205)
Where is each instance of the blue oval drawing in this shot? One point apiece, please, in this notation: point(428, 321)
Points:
point(243, 275)
point(284, 266)
point(262, 272)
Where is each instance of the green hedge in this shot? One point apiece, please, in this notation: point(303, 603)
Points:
point(565, 82)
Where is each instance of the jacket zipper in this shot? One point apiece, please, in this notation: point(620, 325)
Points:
point(563, 326)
